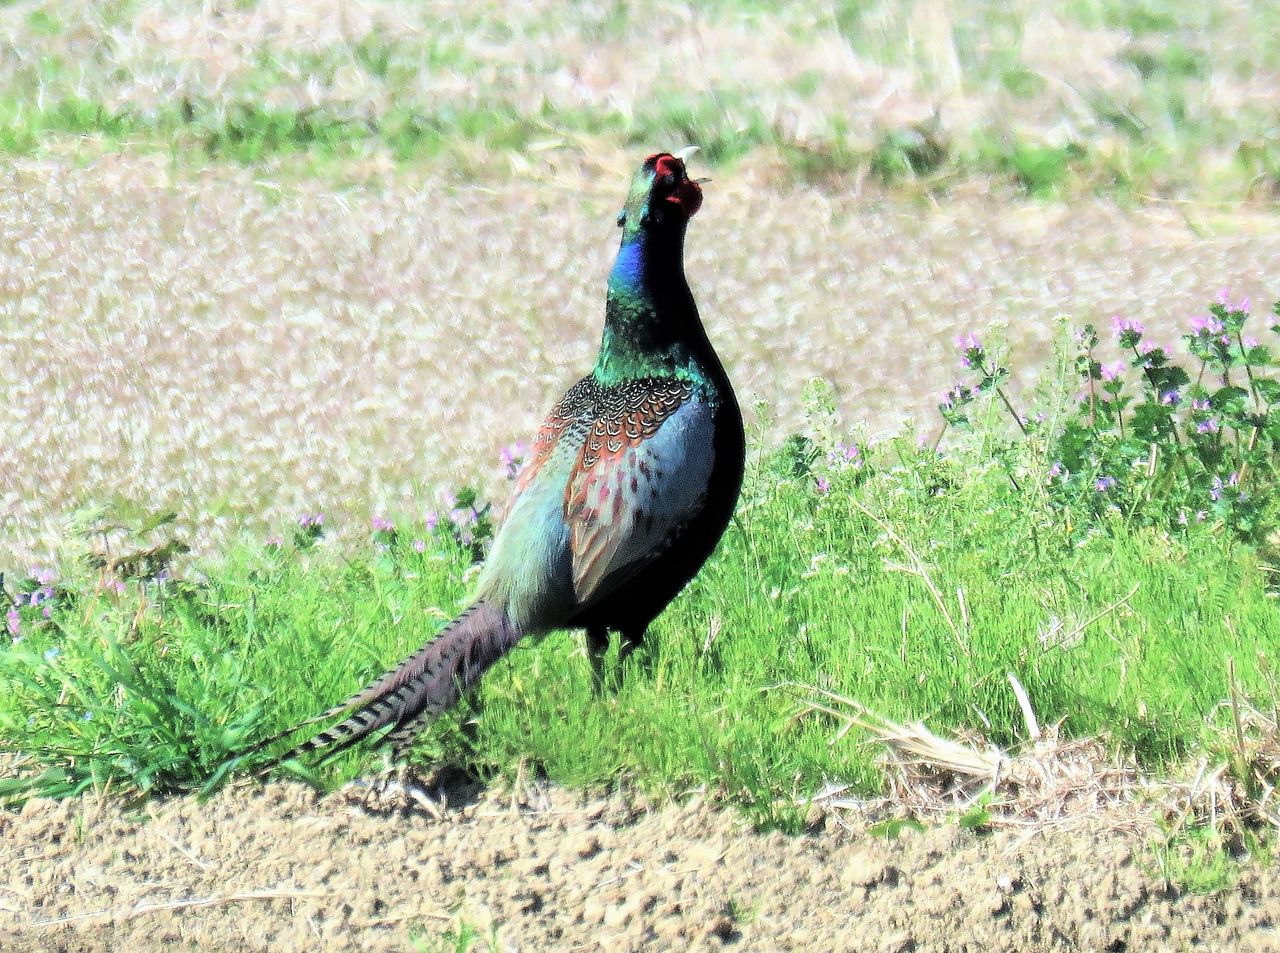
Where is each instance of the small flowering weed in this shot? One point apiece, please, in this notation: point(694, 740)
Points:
point(310, 530)
point(1159, 440)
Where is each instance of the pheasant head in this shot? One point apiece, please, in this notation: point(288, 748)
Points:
point(662, 196)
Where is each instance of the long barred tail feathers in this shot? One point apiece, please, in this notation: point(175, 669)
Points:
point(425, 685)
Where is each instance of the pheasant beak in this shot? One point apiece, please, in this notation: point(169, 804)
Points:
point(685, 154)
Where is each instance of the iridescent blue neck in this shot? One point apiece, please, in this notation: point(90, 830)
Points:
point(628, 278)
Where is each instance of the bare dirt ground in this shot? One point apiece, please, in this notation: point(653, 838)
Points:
point(281, 868)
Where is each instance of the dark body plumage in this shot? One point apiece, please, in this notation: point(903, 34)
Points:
point(630, 483)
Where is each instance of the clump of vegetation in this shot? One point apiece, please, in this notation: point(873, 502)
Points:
point(1152, 440)
point(1109, 550)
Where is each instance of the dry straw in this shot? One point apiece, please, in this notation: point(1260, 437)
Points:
point(1051, 782)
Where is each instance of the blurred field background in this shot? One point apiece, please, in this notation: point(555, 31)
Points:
point(265, 259)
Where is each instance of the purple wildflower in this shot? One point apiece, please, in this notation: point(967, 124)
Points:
point(382, 525)
point(1206, 325)
point(1207, 426)
point(824, 486)
point(845, 454)
point(511, 458)
point(971, 350)
point(432, 521)
point(1201, 403)
point(1057, 469)
point(419, 546)
point(1128, 331)
point(1224, 299)
point(1170, 398)
point(957, 395)
point(1104, 483)
point(13, 621)
point(1111, 372)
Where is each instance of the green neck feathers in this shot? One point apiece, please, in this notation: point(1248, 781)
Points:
point(651, 325)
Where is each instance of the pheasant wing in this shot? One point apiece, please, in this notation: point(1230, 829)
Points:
point(568, 422)
point(642, 473)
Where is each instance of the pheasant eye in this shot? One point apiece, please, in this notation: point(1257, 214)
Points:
point(622, 219)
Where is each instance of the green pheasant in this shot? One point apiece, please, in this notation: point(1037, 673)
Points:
point(629, 485)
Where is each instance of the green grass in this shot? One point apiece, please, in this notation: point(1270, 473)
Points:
point(155, 689)
point(463, 939)
point(1154, 98)
point(727, 128)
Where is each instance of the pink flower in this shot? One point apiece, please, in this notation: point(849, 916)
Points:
point(510, 458)
point(1127, 326)
point(13, 621)
point(1206, 325)
point(1224, 299)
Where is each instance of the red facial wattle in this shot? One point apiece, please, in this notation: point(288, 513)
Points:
point(687, 195)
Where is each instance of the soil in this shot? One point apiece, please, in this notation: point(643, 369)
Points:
point(282, 868)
